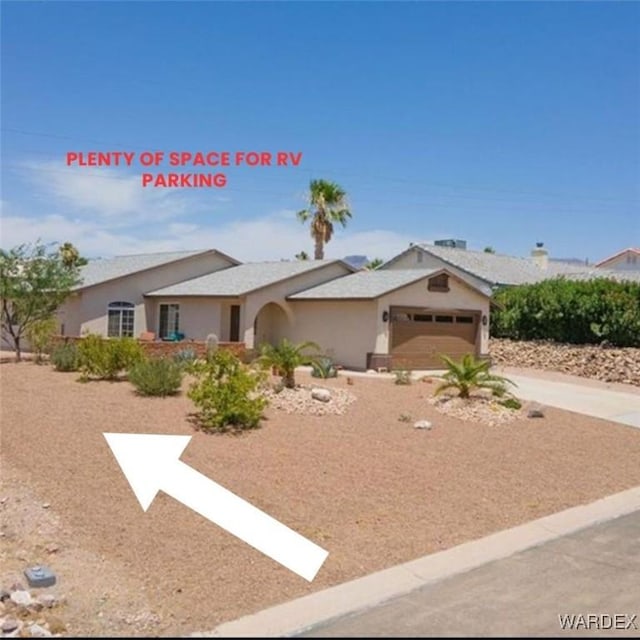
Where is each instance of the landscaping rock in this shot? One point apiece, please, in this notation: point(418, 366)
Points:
point(323, 395)
point(422, 424)
point(48, 600)
point(36, 631)
point(9, 625)
point(4, 595)
point(610, 364)
point(21, 598)
point(535, 411)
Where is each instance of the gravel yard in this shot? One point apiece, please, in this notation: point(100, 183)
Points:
point(365, 485)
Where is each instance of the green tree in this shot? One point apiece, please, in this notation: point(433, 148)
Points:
point(285, 357)
point(327, 207)
point(470, 374)
point(489, 250)
point(374, 264)
point(34, 282)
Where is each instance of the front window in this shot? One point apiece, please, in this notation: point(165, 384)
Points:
point(169, 320)
point(120, 320)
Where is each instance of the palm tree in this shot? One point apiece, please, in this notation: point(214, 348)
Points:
point(285, 357)
point(303, 255)
point(374, 264)
point(327, 206)
point(70, 256)
point(470, 374)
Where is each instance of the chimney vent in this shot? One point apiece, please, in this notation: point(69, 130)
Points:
point(540, 256)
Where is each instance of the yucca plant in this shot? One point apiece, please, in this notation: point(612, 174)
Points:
point(285, 357)
point(470, 374)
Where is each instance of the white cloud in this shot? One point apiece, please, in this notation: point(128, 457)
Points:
point(271, 237)
point(108, 192)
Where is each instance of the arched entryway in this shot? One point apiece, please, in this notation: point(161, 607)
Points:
point(271, 325)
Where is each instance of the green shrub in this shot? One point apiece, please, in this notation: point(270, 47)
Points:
point(323, 367)
point(107, 358)
point(511, 403)
point(39, 335)
point(65, 357)
point(573, 311)
point(226, 392)
point(402, 376)
point(156, 377)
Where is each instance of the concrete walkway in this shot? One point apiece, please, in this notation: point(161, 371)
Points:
point(582, 573)
point(595, 572)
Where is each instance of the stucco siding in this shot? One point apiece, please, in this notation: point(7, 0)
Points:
point(410, 261)
point(89, 314)
point(278, 292)
point(459, 297)
point(345, 330)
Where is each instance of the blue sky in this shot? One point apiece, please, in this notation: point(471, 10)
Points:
point(499, 123)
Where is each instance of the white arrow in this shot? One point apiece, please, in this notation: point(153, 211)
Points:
point(152, 463)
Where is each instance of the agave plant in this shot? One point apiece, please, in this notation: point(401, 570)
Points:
point(470, 374)
point(284, 357)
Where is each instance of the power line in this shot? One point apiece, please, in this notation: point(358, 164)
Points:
point(349, 173)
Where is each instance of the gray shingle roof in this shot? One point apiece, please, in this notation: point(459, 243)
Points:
point(497, 269)
point(364, 285)
point(242, 279)
point(103, 269)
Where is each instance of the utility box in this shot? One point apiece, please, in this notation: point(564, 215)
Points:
point(40, 576)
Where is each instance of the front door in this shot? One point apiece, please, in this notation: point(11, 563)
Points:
point(234, 324)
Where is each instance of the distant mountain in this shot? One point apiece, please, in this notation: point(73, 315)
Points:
point(357, 262)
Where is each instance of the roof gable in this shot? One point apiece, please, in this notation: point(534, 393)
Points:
point(245, 278)
point(100, 270)
point(369, 285)
point(615, 256)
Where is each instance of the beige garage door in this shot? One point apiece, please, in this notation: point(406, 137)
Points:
point(420, 336)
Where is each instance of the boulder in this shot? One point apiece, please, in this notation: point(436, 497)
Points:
point(535, 411)
point(323, 395)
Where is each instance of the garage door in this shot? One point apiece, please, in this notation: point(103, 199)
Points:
point(420, 336)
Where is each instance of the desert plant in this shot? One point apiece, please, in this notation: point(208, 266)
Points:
point(65, 357)
point(402, 376)
point(404, 417)
point(470, 374)
point(212, 345)
point(156, 376)
point(226, 392)
point(185, 357)
point(39, 335)
point(107, 358)
point(323, 367)
point(285, 357)
point(511, 403)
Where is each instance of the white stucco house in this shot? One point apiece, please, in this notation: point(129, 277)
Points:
point(400, 318)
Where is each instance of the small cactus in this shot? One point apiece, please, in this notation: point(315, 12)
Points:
point(212, 344)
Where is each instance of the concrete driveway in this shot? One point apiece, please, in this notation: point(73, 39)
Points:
point(616, 406)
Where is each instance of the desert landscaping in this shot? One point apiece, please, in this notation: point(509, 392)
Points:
point(359, 480)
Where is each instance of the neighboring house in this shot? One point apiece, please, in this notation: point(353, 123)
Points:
point(110, 299)
point(625, 260)
point(493, 269)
